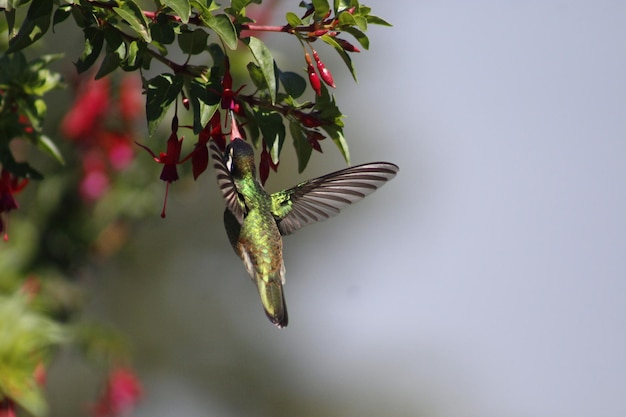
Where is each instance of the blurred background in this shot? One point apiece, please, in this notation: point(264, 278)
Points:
point(487, 279)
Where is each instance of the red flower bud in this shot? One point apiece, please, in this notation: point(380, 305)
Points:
point(316, 84)
point(347, 46)
point(324, 72)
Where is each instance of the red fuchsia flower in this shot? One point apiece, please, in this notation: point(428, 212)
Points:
point(7, 408)
point(95, 180)
point(265, 164)
point(314, 79)
point(200, 153)
point(311, 119)
point(120, 396)
point(169, 159)
point(228, 95)
point(9, 186)
point(314, 137)
point(131, 105)
point(119, 149)
point(86, 115)
point(324, 72)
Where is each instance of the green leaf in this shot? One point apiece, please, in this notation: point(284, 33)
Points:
point(61, 14)
point(132, 14)
point(239, 5)
point(35, 25)
point(293, 83)
point(361, 22)
point(342, 53)
point(48, 146)
point(26, 337)
point(359, 36)
point(293, 19)
point(161, 92)
point(265, 60)
point(204, 104)
point(193, 43)
point(109, 64)
point(94, 40)
point(346, 19)
point(133, 57)
point(256, 75)
point(225, 29)
point(162, 31)
point(181, 8)
point(336, 134)
point(321, 8)
point(273, 131)
point(329, 112)
point(375, 20)
point(301, 145)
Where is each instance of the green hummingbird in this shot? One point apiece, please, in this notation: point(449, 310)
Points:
point(255, 221)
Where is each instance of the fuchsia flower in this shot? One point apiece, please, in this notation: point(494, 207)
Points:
point(169, 159)
point(7, 408)
point(121, 394)
point(9, 186)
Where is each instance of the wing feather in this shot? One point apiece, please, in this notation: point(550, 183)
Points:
point(226, 184)
point(324, 197)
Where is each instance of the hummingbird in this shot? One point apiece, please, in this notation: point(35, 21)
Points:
point(255, 220)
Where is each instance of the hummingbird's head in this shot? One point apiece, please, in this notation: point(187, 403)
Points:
point(240, 158)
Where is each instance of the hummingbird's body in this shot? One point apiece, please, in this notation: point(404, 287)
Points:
point(258, 243)
point(255, 220)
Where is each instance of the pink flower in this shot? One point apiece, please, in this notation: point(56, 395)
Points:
point(121, 394)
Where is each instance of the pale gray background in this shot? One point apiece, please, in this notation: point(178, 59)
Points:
point(487, 279)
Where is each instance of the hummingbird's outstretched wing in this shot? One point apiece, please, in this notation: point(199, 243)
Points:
point(226, 184)
point(324, 197)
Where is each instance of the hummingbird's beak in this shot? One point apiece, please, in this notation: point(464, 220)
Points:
point(234, 129)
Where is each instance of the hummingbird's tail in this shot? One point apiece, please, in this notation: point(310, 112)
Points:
point(273, 300)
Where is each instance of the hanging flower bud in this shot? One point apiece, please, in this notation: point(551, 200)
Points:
point(347, 46)
point(324, 72)
point(314, 79)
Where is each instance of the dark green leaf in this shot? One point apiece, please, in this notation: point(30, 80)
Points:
point(329, 112)
point(181, 8)
point(193, 43)
point(61, 14)
point(301, 145)
point(293, 83)
point(273, 131)
point(162, 32)
point(161, 92)
point(224, 28)
point(132, 14)
point(94, 39)
point(256, 75)
point(109, 64)
point(265, 60)
point(204, 104)
point(35, 25)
